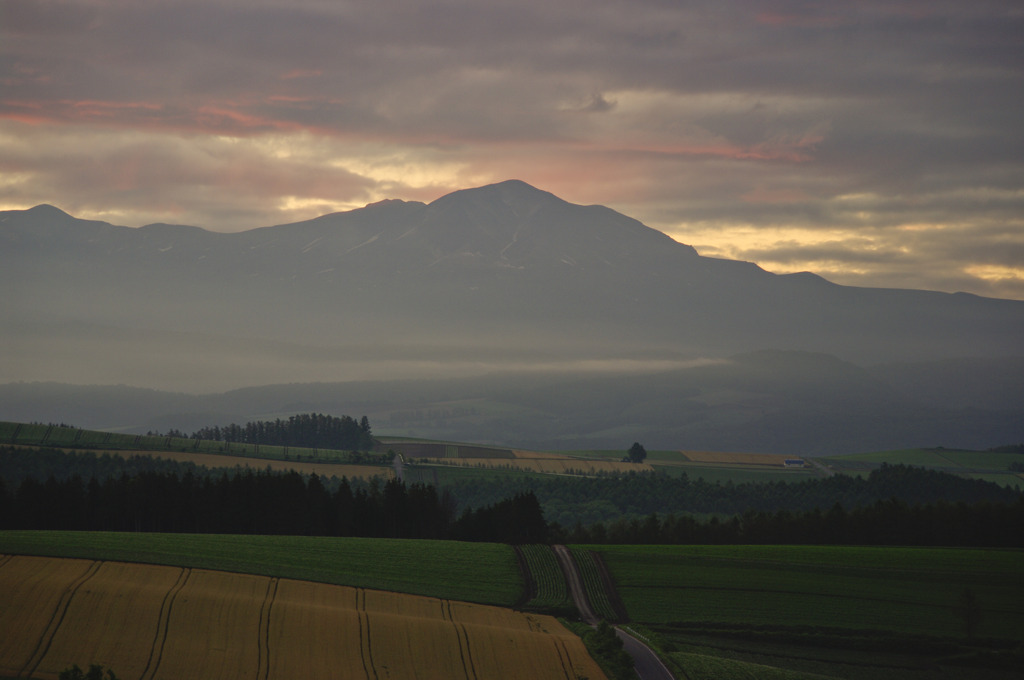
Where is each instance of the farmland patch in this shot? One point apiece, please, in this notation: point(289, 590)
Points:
point(551, 464)
point(477, 572)
point(902, 607)
point(157, 623)
point(327, 470)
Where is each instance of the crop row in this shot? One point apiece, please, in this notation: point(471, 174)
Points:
point(552, 591)
point(594, 585)
point(704, 666)
point(913, 591)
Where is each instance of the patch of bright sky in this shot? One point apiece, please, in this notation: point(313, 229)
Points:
point(312, 207)
point(995, 273)
point(389, 167)
point(731, 241)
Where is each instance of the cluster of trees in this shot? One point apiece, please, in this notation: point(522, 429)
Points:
point(518, 520)
point(265, 502)
point(895, 504)
point(609, 651)
point(890, 522)
point(636, 454)
point(17, 464)
point(309, 430)
point(572, 500)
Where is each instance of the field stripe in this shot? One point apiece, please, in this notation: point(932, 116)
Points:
point(56, 619)
point(156, 652)
point(5, 559)
point(365, 652)
point(264, 641)
point(460, 631)
point(467, 658)
point(563, 657)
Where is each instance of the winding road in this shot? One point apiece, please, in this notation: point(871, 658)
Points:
point(645, 662)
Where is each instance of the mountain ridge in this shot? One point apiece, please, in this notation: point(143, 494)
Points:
point(505, 268)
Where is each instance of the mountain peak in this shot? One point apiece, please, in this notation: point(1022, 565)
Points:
point(46, 210)
point(514, 194)
point(47, 222)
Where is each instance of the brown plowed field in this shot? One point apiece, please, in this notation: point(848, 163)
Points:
point(168, 623)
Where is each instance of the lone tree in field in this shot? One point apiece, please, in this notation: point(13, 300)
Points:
point(636, 453)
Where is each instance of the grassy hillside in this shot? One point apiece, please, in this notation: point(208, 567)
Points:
point(63, 436)
point(993, 466)
point(473, 572)
point(845, 612)
point(750, 612)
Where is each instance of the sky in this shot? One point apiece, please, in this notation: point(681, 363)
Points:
point(874, 142)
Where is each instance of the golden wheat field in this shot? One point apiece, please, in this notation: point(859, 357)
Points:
point(149, 622)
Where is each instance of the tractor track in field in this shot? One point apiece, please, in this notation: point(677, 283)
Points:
point(56, 619)
point(156, 652)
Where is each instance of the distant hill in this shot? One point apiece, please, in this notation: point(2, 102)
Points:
point(793, 403)
point(502, 277)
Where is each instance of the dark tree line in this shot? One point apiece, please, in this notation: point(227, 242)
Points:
point(265, 502)
point(895, 504)
point(518, 520)
point(309, 430)
point(18, 464)
point(572, 500)
point(891, 522)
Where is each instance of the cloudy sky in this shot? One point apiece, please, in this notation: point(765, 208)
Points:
point(876, 142)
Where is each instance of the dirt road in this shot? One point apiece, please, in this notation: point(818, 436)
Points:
point(645, 662)
point(572, 577)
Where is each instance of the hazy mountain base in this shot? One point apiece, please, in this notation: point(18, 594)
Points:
point(772, 402)
point(503, 277)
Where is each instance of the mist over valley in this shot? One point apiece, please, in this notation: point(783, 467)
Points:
point(498, 314)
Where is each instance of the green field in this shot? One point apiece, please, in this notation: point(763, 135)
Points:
point(552, 592)
point(72, 437)
point(986, 465)
point(486, 573)
point(443, 475)
point(735, 474)
point(814, 609)
point(675, 464)
point(750, 612)
point(956, 461)
point(596, 592)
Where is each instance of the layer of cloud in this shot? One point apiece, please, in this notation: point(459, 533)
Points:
point(876, 143)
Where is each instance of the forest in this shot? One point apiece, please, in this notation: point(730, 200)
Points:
point(590, 500)
point(897, 504)
point(307, 430)
point(265, 502)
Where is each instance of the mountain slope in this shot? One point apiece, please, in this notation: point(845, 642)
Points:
point(499, 276)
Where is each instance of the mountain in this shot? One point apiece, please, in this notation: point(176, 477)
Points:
point(500, 277)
